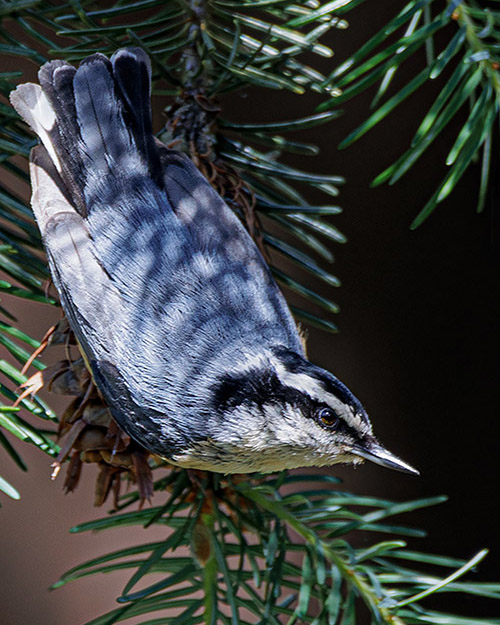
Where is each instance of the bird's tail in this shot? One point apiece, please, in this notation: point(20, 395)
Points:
point(94, 121)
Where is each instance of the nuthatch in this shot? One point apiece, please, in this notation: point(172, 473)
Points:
point(189, 339)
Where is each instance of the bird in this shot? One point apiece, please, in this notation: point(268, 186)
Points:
point(187, 336)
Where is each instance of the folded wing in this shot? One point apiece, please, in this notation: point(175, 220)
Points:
point(156, 274)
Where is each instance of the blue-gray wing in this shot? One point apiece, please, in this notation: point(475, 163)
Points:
point(159, 279)
point(101, 317)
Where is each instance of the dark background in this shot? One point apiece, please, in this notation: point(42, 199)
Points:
point(418, 344)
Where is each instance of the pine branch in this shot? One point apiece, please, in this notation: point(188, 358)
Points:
point(205, 37)
point(242, 534)
point(470, 54)
point(220, 527)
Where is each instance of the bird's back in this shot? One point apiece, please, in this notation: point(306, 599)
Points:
point(159, 279)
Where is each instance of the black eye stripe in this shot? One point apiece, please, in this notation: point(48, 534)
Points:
point(258, 387)
point(255, 387)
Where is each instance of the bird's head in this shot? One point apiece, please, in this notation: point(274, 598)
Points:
point(279, 411)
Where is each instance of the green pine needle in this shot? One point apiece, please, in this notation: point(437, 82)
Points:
point(257, 570)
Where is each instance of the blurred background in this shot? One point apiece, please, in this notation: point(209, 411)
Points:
point(418, 344)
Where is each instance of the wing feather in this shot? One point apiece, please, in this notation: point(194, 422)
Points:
point(160, 281)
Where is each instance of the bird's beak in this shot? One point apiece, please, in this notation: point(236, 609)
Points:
point(376, 453)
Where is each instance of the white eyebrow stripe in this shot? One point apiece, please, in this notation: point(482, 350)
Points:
point(315, 390)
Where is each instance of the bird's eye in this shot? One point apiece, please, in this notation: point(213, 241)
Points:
point(327, 417)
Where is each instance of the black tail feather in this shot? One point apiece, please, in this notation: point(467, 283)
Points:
point(95, 122)
point(132, 74)
point(56, 80)
point(99, 115)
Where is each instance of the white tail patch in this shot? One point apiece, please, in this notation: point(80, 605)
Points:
point(32, 105)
